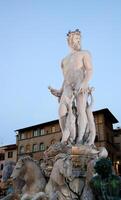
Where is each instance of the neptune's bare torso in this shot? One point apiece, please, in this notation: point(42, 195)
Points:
point(73, 70)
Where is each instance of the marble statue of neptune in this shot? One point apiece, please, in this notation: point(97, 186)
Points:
point(75, 96)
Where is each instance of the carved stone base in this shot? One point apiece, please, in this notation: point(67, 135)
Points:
point(81, 169)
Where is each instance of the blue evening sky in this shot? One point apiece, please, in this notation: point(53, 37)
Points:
point(32, 44)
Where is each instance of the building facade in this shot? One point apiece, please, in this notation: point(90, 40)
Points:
point(34, 140)
point(8, 152)
point(104, 121)
point(2, 160)
point(117, 142)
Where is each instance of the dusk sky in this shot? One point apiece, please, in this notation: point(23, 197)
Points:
point(32, 45)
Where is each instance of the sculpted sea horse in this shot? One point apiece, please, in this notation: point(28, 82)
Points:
point(27, 170)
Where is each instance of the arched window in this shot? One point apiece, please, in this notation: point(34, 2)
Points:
point(42, 147)
point(21, 149)
point(28, 148)
point(53, 141)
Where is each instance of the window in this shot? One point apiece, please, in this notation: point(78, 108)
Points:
point(1, 167)
point(117, 146)
point(48, 129)
point(28, 135)
point(42, 147)
point(2, 156)
point(35, 133)
point(35, 147)
point(10, 154)
point(118, 157)
point(53, 129)
point(27, 148)
point(40, 161)
point(22, 136)
point(42, 132)
point(21, 149)
point(18, 137)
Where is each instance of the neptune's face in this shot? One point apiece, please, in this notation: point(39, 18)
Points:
point(74, 42)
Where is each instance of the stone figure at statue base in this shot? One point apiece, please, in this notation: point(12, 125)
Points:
point(105, 185)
